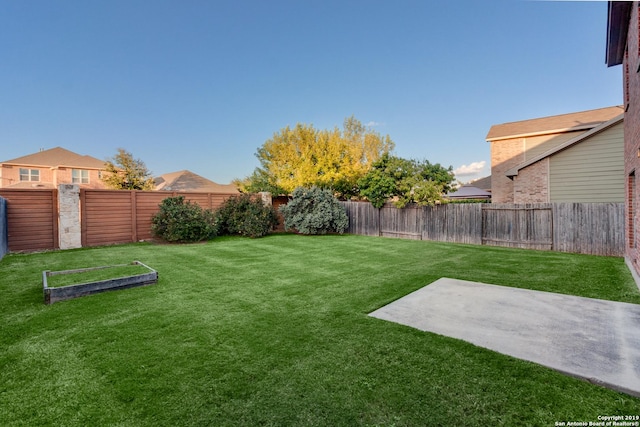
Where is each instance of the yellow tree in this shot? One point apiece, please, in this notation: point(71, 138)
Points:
point(303, 156)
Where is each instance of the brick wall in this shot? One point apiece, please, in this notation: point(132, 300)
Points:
point(64, 176)
point(11, 176)
point(508, 153)
point(531, 185)
point(631, 86)
point(505, 154)
point(48, 176)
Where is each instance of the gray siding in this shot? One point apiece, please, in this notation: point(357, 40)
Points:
point(590, 171)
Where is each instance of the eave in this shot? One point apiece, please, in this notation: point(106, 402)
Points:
point(617, 29)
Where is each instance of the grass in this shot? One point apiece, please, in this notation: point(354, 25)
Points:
point(274, 331)
point(94, 274)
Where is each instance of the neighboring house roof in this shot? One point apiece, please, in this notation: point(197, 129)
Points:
point(31, 185)
point(582, 137)
point(188, 181)
point(583, 120)
point(618, 14)
point(469, 192)
point(482, 183)
point(56, 157)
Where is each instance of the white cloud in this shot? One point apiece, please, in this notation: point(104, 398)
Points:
point(471, 169)
point(372, 123)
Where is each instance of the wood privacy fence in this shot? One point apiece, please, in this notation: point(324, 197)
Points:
point(4, 246)
point(589, 228)
point(32, 219)
point(106, 216)
point(116, 216)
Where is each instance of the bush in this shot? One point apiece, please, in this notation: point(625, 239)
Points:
point(246, 215)
point(314, 211)
point(180, 221)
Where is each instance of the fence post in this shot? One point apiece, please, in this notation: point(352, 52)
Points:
point(267, 200)
point(134, 209)
point(69, 230)
point(4, 235)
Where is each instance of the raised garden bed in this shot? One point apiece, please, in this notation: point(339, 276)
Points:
point(66, 284)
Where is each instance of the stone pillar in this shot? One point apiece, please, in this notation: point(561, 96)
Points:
point(69, 231)
point(266, 198)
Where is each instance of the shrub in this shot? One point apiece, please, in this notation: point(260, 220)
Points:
point(314, 211)
point(180, 221)
point(245, 214)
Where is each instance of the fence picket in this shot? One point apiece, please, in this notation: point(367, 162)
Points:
point(588, 228)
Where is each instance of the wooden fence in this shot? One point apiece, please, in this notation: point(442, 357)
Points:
point(32, 219)
point(4, 245)
point(116, 216)
point(107, 216)
point(589, 228)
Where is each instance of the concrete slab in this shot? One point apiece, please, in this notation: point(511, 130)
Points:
point(591, 339)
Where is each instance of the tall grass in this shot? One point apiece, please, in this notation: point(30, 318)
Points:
point(274, 331)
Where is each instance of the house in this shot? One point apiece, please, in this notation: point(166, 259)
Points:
point(482, 183)
point(623, 48)
point(588, 168)
point(469, 192)
point(50, 168)
point(188, 181)
point(531, 159)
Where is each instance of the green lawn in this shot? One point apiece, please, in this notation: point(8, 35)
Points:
point(274, 331)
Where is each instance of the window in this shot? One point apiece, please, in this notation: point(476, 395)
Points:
point(79, 176)
point(29, 175)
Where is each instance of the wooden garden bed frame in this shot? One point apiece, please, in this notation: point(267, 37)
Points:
point(55, 294)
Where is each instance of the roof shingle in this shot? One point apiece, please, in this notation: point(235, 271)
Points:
point(188, 181)
point(583, 120)
point(57, 156)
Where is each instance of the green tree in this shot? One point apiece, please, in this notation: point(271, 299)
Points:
point(123, 172)
point(314, 211)
point(258, 181)
point(381, 182)
point(407, 181)
point(303, 156)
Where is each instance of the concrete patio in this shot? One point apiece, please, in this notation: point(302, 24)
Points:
point(591, 339)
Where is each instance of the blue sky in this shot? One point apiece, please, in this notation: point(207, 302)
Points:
point(200, 85)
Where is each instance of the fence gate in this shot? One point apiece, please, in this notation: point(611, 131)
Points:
point(527, 226)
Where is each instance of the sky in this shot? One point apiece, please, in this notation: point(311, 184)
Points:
point(201, 85)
